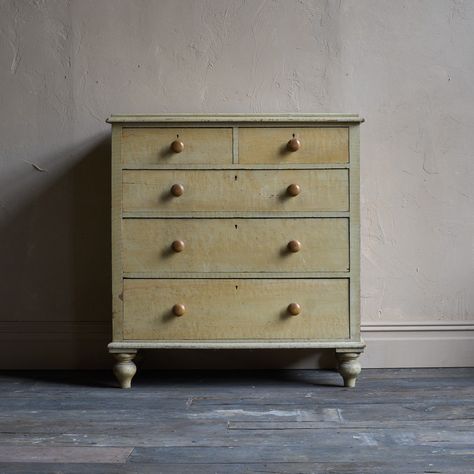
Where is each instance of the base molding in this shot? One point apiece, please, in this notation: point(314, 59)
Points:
point(418, 344)
point(420, 326)
point(343, 346)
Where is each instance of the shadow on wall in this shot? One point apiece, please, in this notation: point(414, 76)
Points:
point(56, 261)
point(56, 288)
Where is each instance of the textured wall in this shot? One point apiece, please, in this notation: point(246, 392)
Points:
point(406, 66)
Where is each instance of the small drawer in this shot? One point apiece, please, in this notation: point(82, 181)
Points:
point(237, 190)
point(294, 145)
point(236, 245)
point(144, 146)
point(228, 309)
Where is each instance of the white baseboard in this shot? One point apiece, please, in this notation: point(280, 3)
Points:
point(418, 344)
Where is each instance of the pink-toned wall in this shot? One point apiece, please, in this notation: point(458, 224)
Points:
point(406, 66)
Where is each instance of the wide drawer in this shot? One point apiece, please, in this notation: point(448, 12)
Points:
point(236, 309)
point(235, 190)
point(235, 245)
point(154, 145)
point(317, 145)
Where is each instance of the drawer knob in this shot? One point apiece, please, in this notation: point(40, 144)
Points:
point(178, 245)
point(178, 145)
point(177, 190)
point(293, 189)
point(294, 309)
point(294, 245)
point(179, 309)
point(294, 144)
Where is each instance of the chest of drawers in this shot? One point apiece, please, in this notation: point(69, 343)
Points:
point(235, 231)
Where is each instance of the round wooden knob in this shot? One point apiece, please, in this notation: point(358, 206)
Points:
point(179, 309)
point(294, 144)
point(293, 189)
point(294, 245)
point(178, 145)
point(294, 309)
point(178, 245)
point(177, 190)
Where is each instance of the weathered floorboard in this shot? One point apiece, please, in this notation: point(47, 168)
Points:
point(290, 422)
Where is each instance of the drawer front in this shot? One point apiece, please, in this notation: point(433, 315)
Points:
point(237, 190)
point(317, 145)
point(154, 145)
point(235, 245)
point(236, 309)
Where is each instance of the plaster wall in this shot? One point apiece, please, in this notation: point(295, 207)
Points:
point(406, 66)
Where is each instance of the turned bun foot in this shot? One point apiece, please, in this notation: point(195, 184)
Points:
point(349, 367)
point(124, 369)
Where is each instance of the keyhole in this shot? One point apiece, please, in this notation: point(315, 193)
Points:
point(236, 226)
point(235, 178)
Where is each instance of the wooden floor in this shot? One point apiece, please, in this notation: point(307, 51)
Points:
point(395, 421)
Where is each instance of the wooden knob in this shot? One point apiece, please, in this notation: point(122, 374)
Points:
point(294, 309)
point(178, 245)
point(294, 245)
point(179, 309)
point(293, 189)
point(178, 145)
point(294, 144)
point(177, 190)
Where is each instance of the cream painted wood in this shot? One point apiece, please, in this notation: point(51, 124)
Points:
point(354, 222)
point(239, 190)
point(226, 309)
point(270, 145)
point(205, 120)
point(158, 274)
point(124, 369)
point(153, 145)
point(237, 214)
point(122, 346)
point(349, 367)
point(236, 166)
point(116, 228)
point(237, 245)
point(235, 233)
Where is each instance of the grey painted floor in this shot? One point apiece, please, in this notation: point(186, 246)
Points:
point(395, 421)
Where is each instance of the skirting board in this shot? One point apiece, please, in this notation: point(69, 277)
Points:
point(83, 345)
point(426, 344)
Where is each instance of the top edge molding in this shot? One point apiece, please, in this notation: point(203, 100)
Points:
point(237, 118)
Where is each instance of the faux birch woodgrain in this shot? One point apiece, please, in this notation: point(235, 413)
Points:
point(317, 145)
point(235, 190)
point(153, 145)
point(235, 245)
point(236, 309)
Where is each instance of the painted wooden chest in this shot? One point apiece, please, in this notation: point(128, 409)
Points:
point(235, 231)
